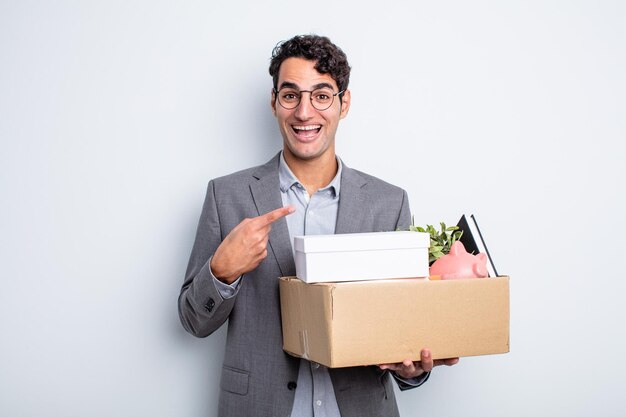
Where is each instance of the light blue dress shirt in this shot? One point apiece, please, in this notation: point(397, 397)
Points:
point(314, 215)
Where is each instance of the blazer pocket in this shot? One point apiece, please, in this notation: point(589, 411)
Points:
point(234, 380)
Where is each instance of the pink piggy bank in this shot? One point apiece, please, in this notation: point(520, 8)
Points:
point(459, 264)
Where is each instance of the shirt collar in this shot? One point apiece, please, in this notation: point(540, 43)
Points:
point(288, 179)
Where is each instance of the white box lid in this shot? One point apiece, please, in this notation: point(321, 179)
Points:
point(361, 241)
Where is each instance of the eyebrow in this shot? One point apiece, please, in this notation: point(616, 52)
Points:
point(287, 84)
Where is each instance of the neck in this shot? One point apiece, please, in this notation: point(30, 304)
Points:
point(315, 173)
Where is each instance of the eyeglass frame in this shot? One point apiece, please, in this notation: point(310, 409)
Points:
point(310, 97)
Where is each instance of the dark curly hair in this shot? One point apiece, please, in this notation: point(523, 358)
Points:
point(328, 57)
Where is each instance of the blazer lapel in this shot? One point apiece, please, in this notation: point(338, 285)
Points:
point(353, 206)
point(266, 196)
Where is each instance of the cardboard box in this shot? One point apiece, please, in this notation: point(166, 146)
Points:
point(387, 321)
point(361, 256)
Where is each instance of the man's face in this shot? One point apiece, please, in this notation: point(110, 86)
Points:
point(308, 133)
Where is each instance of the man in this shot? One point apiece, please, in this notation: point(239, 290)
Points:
point(244, 239)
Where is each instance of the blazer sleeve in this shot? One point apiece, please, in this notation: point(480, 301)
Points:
point(404, 216)
point(201, 307)
point(406, 384)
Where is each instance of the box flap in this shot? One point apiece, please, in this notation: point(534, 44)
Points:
point(361, 241)
point(305, 325)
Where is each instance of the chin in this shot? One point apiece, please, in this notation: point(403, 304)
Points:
point(307, 151)
point(304, 152)
point(304, 156)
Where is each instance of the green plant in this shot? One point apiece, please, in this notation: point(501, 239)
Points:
point(440, 241)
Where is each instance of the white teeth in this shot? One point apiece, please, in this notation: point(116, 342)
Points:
point(309, 127)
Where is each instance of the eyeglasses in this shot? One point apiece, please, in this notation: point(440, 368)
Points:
point(321, 98)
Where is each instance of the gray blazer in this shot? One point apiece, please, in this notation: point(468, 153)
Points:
point(258, 377)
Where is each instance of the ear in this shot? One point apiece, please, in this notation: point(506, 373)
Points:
point(457, 248)
point(273, 102)
point(345, 104)
point(480, 267)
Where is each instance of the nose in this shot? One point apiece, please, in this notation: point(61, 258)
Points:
point(305, 109)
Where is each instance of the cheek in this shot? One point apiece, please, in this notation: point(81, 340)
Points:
point(280, 114)
point(334, 122)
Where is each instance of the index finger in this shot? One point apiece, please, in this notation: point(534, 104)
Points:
point(279, 213)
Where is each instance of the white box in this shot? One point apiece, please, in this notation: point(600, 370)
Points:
point(361, 256)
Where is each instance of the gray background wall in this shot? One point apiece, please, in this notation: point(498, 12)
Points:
point(114, 115)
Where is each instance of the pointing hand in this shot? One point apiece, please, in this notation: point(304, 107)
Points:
point(245, 246)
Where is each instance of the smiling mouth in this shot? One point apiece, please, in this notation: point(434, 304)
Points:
point(306, 131)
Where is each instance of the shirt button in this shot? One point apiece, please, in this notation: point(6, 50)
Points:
point(319, 403)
